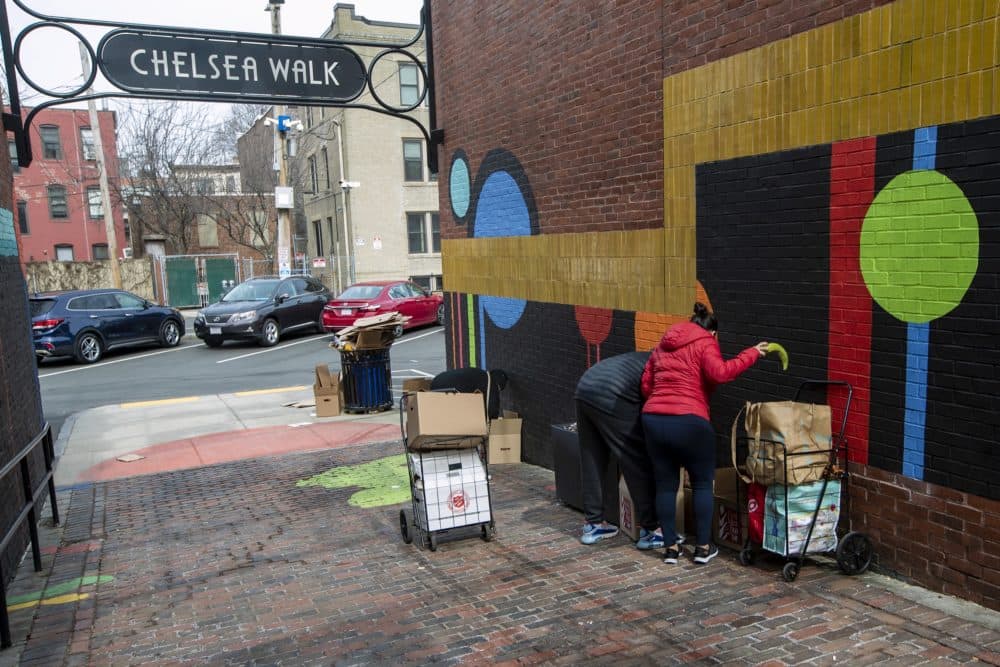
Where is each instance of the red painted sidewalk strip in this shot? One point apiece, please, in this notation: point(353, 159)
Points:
point(238, 445)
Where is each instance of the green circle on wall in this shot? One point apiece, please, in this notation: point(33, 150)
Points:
point(919, 246)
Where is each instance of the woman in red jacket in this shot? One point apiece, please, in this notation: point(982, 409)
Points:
point(677, 382)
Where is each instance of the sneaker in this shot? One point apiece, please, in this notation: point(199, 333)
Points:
point(595, 532)
point(649, 539)
point(703, 555)
point(671, 555)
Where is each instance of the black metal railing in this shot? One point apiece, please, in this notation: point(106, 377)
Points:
point(27, 512)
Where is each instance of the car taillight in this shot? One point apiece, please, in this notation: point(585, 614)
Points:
point(328, 307)
point(46, 324)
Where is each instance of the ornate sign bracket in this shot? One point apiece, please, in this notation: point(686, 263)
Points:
point(159, 62)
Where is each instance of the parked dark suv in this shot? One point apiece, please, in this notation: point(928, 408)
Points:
point(86, 323)
point(263, 309)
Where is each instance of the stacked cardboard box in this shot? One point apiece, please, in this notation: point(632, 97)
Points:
point(369, 333)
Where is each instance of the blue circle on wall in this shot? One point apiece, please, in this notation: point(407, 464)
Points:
point(459, 185)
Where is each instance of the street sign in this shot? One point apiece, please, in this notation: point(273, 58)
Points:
point(207, 64)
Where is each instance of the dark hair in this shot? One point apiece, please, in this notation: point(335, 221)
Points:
point(704, 318)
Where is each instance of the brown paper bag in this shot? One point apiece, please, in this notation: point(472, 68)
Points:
point(785, 437)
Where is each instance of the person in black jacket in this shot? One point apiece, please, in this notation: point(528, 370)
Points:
point(608, 420)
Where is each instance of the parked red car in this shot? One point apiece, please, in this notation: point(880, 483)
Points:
point(384, 296)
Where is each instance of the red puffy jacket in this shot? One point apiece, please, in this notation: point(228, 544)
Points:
point(685, 368)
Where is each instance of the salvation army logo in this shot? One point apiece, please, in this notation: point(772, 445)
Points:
point(752, 505)
point(456, 502)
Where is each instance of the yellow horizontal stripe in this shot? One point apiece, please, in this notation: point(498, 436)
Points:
point(269, 391)
point(165, 401)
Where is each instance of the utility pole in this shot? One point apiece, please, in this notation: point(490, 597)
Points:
point(284, 227)
point(102, 174)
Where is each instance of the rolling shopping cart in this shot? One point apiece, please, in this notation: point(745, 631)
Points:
point(813, 517)
point(449, 483)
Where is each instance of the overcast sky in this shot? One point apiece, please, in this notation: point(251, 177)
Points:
point(51, 56)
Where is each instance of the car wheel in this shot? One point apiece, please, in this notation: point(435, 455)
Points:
point(319, 325)
point(170, 334)
point(440, 315)
point(269, 333)
point(213, 342)
point(88, 348)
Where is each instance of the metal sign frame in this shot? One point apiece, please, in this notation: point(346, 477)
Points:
point(19, 124)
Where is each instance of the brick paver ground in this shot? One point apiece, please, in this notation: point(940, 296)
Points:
point(234, 564)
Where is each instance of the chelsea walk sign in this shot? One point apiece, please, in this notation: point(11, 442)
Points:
point(206, 64)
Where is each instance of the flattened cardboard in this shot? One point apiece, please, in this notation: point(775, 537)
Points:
point(505, 439)
point(436, 418)
point(326, 389)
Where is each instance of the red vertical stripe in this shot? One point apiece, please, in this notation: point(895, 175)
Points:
point(852, 188)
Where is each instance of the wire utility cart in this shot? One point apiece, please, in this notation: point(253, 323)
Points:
point(449, 487)
point(811, 522)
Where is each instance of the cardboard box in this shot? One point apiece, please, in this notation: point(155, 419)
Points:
point(326, 389)
point(373, 340)
point(729, 515)
point(437, 419)
point(456, 495)
point(412, 385)
point(628, 517)
point(505, 439)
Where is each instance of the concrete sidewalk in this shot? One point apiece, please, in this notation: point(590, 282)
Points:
point(251, 533)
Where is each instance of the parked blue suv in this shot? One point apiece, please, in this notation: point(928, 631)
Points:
point(87, 323)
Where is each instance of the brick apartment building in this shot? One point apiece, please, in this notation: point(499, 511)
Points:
point(57, 200)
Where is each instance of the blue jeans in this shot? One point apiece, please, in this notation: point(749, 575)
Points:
point(675, 442)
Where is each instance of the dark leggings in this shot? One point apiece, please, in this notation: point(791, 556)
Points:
point(675, 442)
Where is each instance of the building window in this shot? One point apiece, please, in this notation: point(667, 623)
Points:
point(12, 149)
point(95, 206)
point(87, 143)
point(51, 148)
point(208, 231)
point(57, 201)
point(416, 233)
point(423, 232)
point(313, 176)
point(99, 251)
point(64, 253)
point(332, 232)
point(413, 160)
point(309, 117)
point(204, 186)
point(230, 184)
point(22, 216)
point(409, 84)
point(326, 168)
point(318, 232)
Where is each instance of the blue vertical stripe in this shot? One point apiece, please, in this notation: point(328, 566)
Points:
point(925, 148)
point(918, 340)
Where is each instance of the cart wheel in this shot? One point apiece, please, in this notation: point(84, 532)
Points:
point(488, 532)
point(405, 526)
point(746, 557)
point(432, 542)
point(855, 553)
point(790, 571)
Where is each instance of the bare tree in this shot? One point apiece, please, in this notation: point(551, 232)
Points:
point(171, 161)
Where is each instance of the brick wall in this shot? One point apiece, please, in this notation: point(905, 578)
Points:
point(772, 154)
point(574, 89)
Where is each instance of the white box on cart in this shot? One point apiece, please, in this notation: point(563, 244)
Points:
point(455, 494)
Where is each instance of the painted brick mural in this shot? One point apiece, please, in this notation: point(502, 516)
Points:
point(830, 180)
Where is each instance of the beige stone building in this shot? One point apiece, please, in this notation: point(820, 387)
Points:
point(369, 202)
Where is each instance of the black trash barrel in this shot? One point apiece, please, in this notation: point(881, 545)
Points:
point(367, 380)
